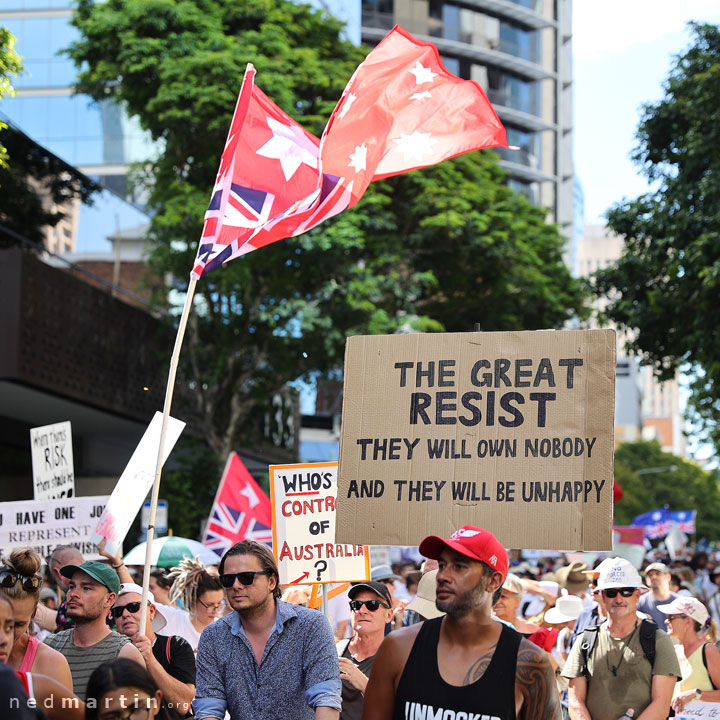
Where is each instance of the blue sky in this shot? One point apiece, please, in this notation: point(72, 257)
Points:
point(622, 53)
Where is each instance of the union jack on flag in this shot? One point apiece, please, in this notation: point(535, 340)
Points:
point(241, 510)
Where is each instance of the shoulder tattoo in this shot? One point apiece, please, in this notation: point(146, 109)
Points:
point(536, 680)
point(476, 670)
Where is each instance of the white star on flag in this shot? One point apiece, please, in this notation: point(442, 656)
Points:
point(290, 146)
point(349, 100)
point(251, 496)
point(414, 146)
point(420, 95)
point(422, 74)
point(358, 158)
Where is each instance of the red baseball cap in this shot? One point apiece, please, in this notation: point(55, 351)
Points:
point(473, 542)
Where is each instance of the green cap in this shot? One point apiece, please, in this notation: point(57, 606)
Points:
point(104, 574)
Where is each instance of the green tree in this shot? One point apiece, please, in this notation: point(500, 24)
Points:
point(10, 66)
point(437, 250)
point(679, 484)
point(665, 287)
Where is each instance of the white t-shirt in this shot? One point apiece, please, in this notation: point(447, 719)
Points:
point(179, 623)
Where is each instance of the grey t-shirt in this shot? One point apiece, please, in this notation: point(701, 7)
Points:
point(83, 660)
point(352, 698)
point(610, 696)
point(648, 604)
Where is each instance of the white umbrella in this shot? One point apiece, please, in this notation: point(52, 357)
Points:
point(169, 551)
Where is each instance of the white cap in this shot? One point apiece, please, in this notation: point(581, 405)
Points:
point(567, 607)
point(689, 606)
point(424, 601)
point(159, 621)
point(620, 573)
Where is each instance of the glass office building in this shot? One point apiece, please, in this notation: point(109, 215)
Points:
point(98, 138)
point(519, 51)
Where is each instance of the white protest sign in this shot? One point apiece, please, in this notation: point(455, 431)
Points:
point(697, 709)
point(303, 526)
point(45, 524)
point(134, 484)
point(52, 461)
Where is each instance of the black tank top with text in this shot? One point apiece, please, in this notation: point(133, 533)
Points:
point(422, 694)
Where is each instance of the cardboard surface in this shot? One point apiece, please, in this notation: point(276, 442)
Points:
point(303, 500)
point(52, 461)
point(512, 432)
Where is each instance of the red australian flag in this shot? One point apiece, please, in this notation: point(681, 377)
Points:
point(241, 510)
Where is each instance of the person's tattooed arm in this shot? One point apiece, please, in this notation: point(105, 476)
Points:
point(535, 679)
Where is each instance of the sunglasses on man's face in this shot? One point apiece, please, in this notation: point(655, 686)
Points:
point(244, 578)
point(371, 605)
point(9, 579)
point(613, 592)
point(131, 607)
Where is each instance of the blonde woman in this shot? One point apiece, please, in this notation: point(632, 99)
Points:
point(200, 591)
point(689, 622)
point(21, 581)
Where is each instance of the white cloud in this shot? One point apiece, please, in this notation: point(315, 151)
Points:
point(601, 29)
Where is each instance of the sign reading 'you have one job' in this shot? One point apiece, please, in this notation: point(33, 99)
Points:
point(509, 431)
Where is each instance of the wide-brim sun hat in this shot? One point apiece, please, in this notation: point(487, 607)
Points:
point(566, 608)
point(620, 574)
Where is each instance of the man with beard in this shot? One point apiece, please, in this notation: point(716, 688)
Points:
point(92, 589)
point(617, 671)
point(268, 660)
point(465, 665)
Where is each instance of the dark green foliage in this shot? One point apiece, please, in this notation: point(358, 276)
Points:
point(688, 487)
point(666, 286)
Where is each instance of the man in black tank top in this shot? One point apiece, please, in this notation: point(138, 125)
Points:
point(463, 666)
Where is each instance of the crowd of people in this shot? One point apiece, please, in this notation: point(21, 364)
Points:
point(469, 634)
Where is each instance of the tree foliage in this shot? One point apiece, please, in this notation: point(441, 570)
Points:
point(666, 285)
point(435, 250)
point(687, 487)
point(10, 66)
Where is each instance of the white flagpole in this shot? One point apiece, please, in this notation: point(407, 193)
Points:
point(161, 447)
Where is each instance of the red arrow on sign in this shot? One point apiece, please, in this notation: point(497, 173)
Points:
point(301, 578)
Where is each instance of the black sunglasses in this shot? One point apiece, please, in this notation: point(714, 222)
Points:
point(131, 607)
point(371, 605)
point(9, 579)
point(625, 592)
point(244, 578)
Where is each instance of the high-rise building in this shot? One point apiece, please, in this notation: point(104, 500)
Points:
point(520, 52)
point(97, 138)
point(644, 407)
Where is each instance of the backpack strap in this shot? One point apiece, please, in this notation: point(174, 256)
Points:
point(588, 640)
point(706, 665)
point(167, 648)
point(647, 640)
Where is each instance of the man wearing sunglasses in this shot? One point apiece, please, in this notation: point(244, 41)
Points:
point(371, 607)
point(615, 675)
point(92, 589)
point(463, 664)
point(169, 659)
point(267, 660)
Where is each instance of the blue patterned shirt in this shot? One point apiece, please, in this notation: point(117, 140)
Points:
point(298, 671)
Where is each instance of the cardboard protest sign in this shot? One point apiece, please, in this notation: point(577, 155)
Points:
point(52, 461)
point(511, 431)
point(45, 524)
point(303, 527)
point(135, 482)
